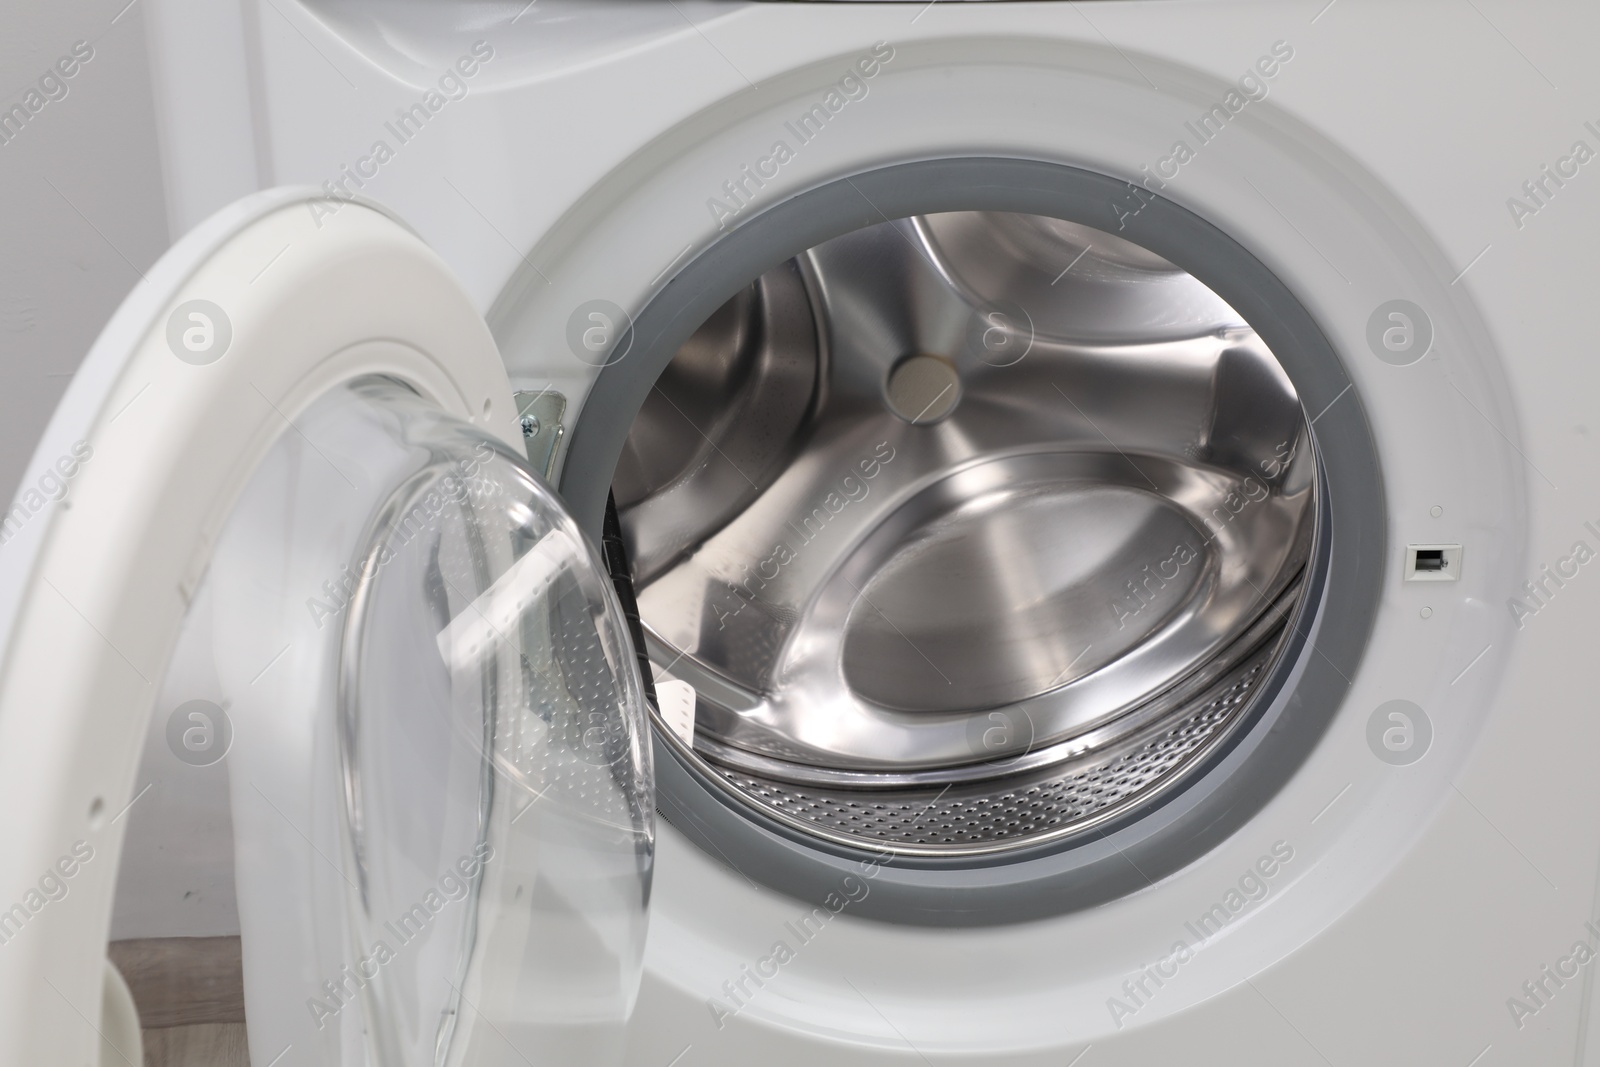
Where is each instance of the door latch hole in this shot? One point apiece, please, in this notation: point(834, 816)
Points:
point(1433, 563)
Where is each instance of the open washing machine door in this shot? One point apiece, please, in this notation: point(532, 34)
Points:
point(286, 530)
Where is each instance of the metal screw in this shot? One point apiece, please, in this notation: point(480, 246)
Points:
point(530, 426)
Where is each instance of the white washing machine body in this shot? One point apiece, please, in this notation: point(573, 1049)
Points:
point(1420, 888)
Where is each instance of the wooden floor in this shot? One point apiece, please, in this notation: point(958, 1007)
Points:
point(201, 1045)
point(190, 996)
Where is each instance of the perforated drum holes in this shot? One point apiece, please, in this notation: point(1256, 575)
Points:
point(1052, 801)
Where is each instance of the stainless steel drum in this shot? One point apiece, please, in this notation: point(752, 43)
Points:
point(970, 531)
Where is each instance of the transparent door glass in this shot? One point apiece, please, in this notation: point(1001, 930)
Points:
point(409, 682)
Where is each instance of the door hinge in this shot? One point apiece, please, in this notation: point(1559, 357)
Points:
point(539, 414)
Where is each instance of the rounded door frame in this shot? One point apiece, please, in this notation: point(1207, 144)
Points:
point(100, 579)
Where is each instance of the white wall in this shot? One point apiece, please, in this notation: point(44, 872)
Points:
point(84, 212)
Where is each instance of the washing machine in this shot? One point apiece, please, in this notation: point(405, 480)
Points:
point(866, 533)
